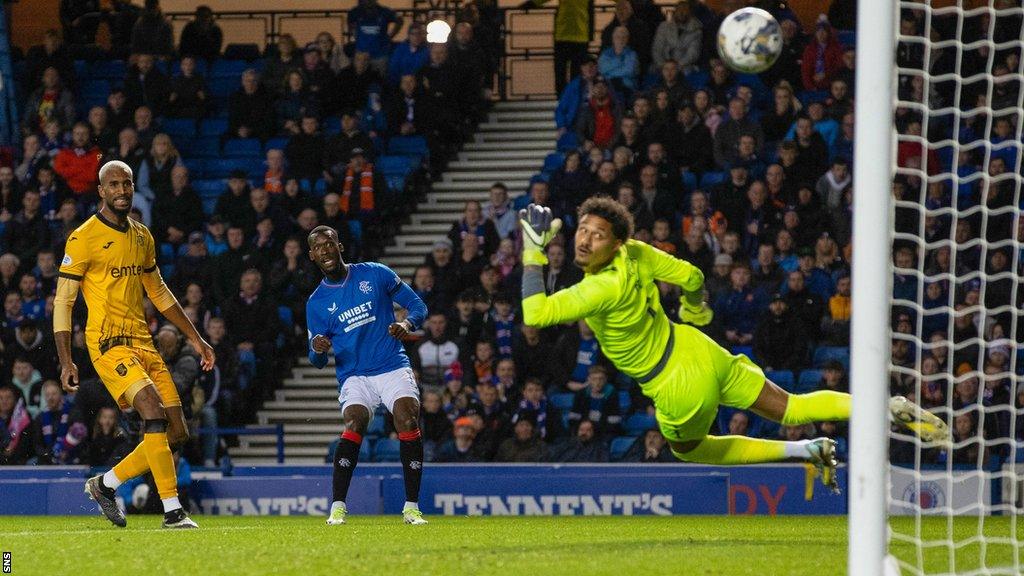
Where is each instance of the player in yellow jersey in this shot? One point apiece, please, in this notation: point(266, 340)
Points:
point(112, 258)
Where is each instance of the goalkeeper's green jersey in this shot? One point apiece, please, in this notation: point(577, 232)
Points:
point(621, 304)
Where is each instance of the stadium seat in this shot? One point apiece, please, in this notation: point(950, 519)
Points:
point(637, 424)
point(284, 314)
point(848, 38)
point(243, 148)
point(242, 52)
point(689, 181)
point(224, 68)
point(396, 183)
point(386, 450)
point(710, 179)
point(625, 402)
point(178, 127)
point(375, 427)
point(567, 142)
point(332, 125)
point(784, 378)
point(562, 401)
point(553, 161)
point(213, 127)
point(808, 381)
point(223, 87)
point(808, 96)
point(209, 188)
point(107, 70)
point(222, 167)
point(824, 354)
point(620, 446)
point(395, 165)
point(408, 146)
point(277, 143)
point(698, 79)
point(203, 147)
point(747, 351)
point(95, 89)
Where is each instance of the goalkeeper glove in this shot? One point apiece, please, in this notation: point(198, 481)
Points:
point(696, 315)
point(539, 227)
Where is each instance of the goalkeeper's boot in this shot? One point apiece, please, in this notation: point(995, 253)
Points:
point(337, 516)
point(927, 426)
point(105, 498)
point(413, 516)
point(823, 457)
point(178, 519)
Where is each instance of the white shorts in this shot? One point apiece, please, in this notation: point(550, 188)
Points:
point(386, 388)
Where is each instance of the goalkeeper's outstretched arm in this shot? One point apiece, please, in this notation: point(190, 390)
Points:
point(583, 299)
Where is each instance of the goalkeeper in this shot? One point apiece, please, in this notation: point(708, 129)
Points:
point(683, 371)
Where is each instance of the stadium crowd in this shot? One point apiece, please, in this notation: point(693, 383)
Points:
point(748, 177)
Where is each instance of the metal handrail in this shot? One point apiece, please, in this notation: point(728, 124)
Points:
point(277, 429)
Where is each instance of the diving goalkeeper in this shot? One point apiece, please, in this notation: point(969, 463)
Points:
point(683, 371)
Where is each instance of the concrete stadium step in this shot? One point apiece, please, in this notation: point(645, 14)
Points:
point(325, 404)
point(528, 155)
point(432, 228)
point(425, 240)
point(517, 126)
point(322, 439)
point(324, 393)
point(404, 272)
point(483, 180)
point(481, 184)
point(514, 116)
point(311, 383)
point(457, 196)
point(290, 452)
point(304, 362)
point(510, 105)
point(549, 136)
point(430, 218)
point(396, 261)
point(485, 167)
point(540, 144)
point(292, 416)
point(311, 429)
point(271, 460)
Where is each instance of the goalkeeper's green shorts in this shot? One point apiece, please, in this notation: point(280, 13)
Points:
point(698, 376)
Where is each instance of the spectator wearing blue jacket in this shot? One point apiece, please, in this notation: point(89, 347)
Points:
point(373, 26)
point(739, 307)
point(410, 56)
point(576, 93)
point(619, 63)
point(827, 127)
point(816, 280)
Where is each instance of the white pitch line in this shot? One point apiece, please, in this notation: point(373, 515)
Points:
point(117, 531)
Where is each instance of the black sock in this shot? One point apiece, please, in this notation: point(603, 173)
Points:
point(411, 451)
point(346, 456)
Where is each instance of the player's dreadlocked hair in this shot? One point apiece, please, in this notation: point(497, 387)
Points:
point(615, 213)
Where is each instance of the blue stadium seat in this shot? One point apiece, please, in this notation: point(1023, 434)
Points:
point(107, 69)
point(209, 205)
point(284, 314)
point(396, 183)
point(620, 446)
point(200, 67)
point(95, 89)
point(167, 270)
point(277, 143)
point(625, 402)
point(209, 188)
point(698, 79)
point(213, 127)
point(332, 125)
point(178, 127)
point(203, 147)
point(784, 378)
point(637, 424)
point(395, 165)
point(689, 181)
point(562, 401)
point(808, 96)
point(808, 381)
point(243, 148)
point(376, 426)
point(242, 52)
point(224, 68)
point(710, 179)
point(223, 87)
point(386, 450)
point(166, 252)
point(567, 142)
point(747, 351)
point(355, 227)
point(825, 353)
point(366, 450)
point(847, 38)
point(408, 146)
point(553, 161)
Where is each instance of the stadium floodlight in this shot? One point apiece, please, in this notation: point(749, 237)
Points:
point(438, 31)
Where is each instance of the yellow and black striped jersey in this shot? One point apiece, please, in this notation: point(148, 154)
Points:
point(110, 261)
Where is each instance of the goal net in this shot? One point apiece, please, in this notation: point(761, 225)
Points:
point(955, 322)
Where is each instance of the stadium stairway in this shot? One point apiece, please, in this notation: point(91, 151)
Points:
point(510, 147)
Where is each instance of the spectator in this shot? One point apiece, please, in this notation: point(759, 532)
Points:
point(739, 307)
point(305, 150)
point(152, 33)
point(331, 215)
point(32, 157)
point(145, 85)
point(834, 183)
point(46, 271)
point(293, 200)
point(118, 114)
point(642, 216)
point(363, 189)
point(251, 318)
point(57, 433)
point(470, 263)
point(727, 137)
point(33, 305)
point(195, 266)
point(470, 64)
point(52, 53)
point(462, 447)
point(585, 446)
point(154, 179)
point(570, 184)
point(260, 208)
point(660, 200)
point(619, 63)
point(103, 136)
point(650, 448)
point(777, 123)
point(128, 149)
point(559, 274)
point(108, 442)
point(233, 202)
point(409, 111)
point(373, 26)
point(436, 427)
point(473, 223)
point(202, 37)
point(812, 151)
point(533, 355)
point(688, 142)
point(641, 32)
point(80, 19)
point(598, 403)
point(250, 109)
point(524, 446)
point(535, 406)
point(49, 102)
point(27, 232)
point(575, 95)
point(446, 87)
point(331, 52)
point(15, 428)
point(277, 65)
point(121, 19)
point(187, 98)
point(180, 359)
point(409, 56)
point(29, 344)
point(143, 123)
point(436, 352)
point(318, 77)
point(678, 39)
point(423, 285)
point(352, 85)
point(490, 407)
point(274, 177)
point(598, 120)
point(807, 306)
point(498, 210)
point(178, 212)
point(576, 352)
point(779, 343)
point(339, 147)
point(229, 266)
point(823, 57)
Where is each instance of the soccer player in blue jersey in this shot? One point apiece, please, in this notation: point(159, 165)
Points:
point(352, 312)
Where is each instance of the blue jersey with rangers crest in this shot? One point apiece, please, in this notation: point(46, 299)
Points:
point(355, 316)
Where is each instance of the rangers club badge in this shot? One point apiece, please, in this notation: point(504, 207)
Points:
point(365, 287)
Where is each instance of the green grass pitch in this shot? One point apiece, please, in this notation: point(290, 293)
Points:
point(532, 546)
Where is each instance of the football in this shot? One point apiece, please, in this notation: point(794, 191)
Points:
point(749, 40)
